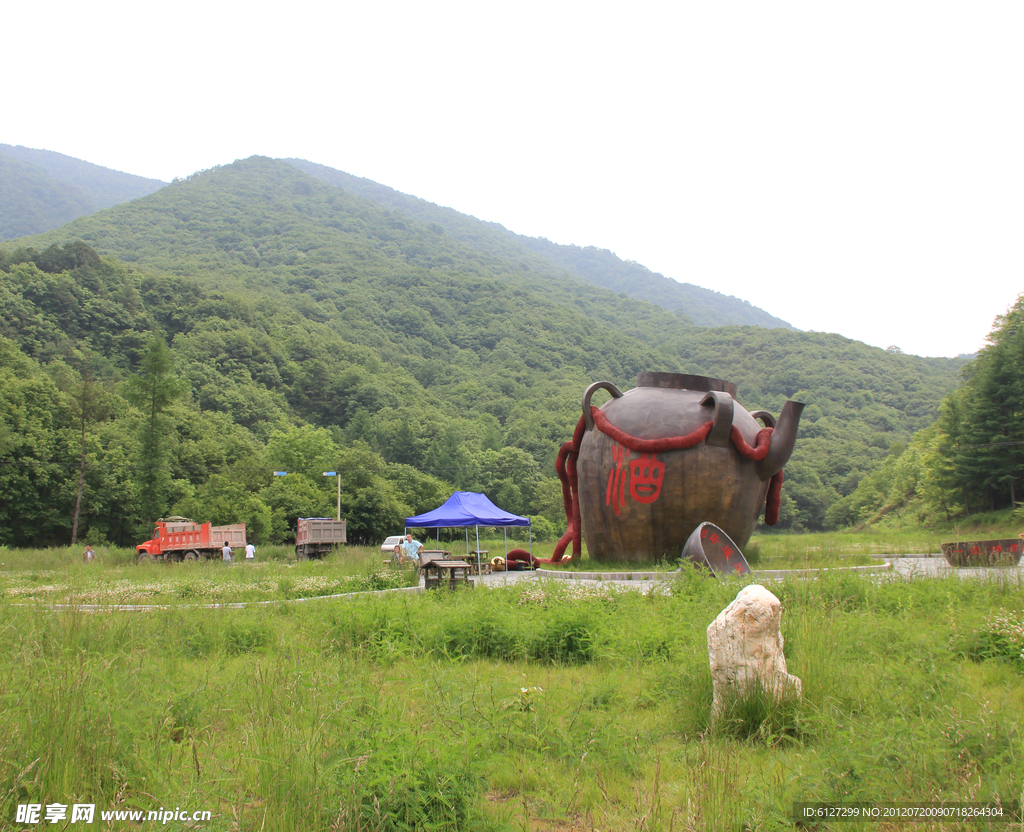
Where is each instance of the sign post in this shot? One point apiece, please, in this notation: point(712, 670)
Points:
point(336, 474)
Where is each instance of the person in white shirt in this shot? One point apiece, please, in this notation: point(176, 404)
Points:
point(226, 552)
point(412, 548)
point(250, 552)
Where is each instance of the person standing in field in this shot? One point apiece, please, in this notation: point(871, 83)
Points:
point(226, 552)
point(250, 552)
point(88, 555)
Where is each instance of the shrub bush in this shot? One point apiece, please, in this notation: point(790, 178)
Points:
point(400, 788)
point(567, 635)
point(246, 637)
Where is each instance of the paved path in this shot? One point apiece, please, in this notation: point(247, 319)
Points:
point(936, 567)
point(923, 566)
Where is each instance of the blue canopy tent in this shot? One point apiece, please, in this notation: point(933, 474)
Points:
point(468, 508)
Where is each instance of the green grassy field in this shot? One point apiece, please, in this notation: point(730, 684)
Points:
point(534, 706)
point(117, 579)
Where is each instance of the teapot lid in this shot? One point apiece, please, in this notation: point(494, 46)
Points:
point(680, 381)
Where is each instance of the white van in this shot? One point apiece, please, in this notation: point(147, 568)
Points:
point(390, 543)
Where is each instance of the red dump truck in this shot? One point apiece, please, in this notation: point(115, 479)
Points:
point(178, 538)
point(316, 536)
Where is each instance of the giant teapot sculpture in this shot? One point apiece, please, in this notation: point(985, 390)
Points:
point(655, 462)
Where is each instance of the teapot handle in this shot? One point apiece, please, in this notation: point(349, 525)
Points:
point(588, 417)
point(721, 426)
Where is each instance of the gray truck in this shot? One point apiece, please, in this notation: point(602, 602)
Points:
point(317, 536)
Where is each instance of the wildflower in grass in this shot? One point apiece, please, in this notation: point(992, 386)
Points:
point(527, 697)
point(540, 593)
point(1004, 636)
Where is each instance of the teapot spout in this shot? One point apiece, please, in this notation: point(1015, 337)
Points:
point(783, 440)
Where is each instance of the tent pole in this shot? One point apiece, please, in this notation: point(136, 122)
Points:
point(477, 550)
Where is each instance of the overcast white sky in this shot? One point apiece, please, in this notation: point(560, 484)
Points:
point(849, 167)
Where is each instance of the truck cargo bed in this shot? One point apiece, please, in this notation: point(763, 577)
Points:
point(316, 536)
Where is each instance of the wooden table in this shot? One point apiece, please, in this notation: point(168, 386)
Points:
point(442, 571)
point(431, 579)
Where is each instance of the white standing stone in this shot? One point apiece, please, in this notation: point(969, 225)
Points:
point(745, 650)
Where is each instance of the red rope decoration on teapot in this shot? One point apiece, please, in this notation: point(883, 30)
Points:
point(565, 465)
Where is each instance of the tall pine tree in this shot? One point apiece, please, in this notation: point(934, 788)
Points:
point(989, 457)
point(153, 390)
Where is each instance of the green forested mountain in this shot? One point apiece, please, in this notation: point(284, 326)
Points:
point(970, 460)
point(596, 266)
point(41, 190)
point(32, 201)
point(702, 307)
point(308, 328)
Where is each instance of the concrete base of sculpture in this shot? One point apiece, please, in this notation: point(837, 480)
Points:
point(745, 650)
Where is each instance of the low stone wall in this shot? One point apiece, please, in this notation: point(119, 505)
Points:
point(670, 576)
point(1004, 552)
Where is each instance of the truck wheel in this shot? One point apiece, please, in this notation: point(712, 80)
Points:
point(300, 553)
point(145, 557)
point(191, 556)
